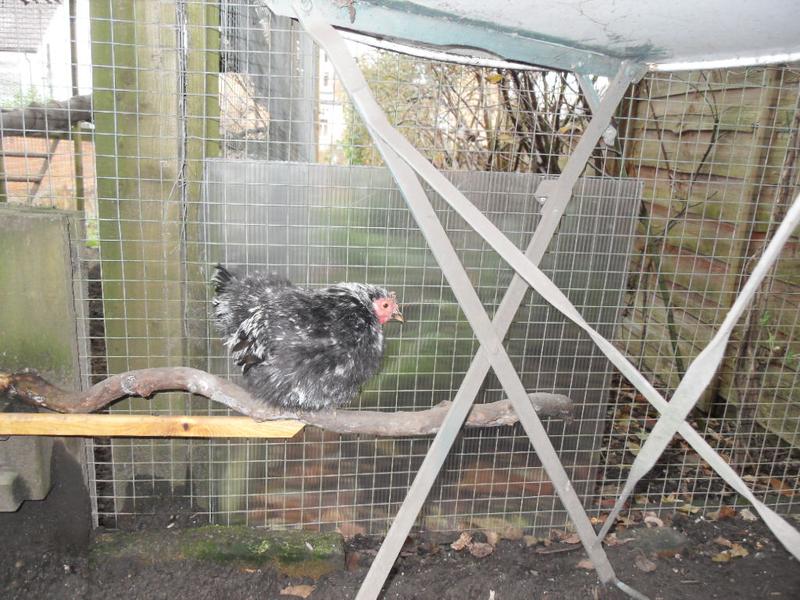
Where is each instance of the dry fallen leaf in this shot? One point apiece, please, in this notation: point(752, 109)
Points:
point(599, 520)
point(585, 564)
point(723, 556)
point(530, 540)
point(492, 537)
point(613, 540)
point(689, 509)
point(781, 487)
point(725, 512)
point(644, 564)
point(301, 591)
point(462, 542)
point(653, 521)
point(640, 499)
point(480, 549)
point(671, 499)
point(512, 533)
point(738, 551)
point(747, 515)
point(723, 541)
point(572, 538)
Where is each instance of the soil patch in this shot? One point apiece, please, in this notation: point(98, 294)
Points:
point(686, 565)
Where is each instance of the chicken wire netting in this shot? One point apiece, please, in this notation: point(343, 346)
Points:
point(220, 133)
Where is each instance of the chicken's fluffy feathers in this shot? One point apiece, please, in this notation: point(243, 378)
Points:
point(300, 348)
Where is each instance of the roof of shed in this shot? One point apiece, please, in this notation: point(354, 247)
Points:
point(590, 36)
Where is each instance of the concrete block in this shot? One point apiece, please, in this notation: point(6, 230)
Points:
point(24, 470)
point(39, 329)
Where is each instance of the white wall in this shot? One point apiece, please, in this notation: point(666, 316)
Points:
point(48, 70)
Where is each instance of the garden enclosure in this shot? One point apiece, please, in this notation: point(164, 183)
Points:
point(221, 132)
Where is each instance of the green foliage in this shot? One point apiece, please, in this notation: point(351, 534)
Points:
point(21, 99)
point(92, 232)
point(292, 553)
point(792, 359)
point(471, 118)
point(395, 82)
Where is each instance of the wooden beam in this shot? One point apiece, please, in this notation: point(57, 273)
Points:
point(201, 141)
point(29, 388)
point(139, 169)
point(117, 425)
point(51, 120)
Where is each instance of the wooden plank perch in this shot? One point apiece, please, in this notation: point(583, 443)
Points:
point(30, 388)
point(116, 425)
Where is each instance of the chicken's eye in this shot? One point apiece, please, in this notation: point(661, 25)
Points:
point(385, 305)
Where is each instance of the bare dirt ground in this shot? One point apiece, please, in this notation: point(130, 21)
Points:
point(47, 554)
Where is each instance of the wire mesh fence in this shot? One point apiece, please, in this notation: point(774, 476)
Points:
point(220, 132)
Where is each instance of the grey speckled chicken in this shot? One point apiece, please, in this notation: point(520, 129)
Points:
point(300, 348)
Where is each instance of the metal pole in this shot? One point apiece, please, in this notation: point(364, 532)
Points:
point(3, 189)
point(558, 194)
point(458, 279)
point(77, 138)
point(490, 341)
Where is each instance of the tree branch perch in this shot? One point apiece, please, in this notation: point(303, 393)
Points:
point(46, 120)
point(30, 388)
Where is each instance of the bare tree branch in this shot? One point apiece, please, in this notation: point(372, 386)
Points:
point(46, 120)
point(30, 388)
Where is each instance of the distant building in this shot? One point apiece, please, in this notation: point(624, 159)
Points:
point(331, 113)
point(35, 51)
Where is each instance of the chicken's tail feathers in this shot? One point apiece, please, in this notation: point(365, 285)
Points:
point(222, 277)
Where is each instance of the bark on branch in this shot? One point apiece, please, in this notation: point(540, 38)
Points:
point(46, 120)
point(30, 388)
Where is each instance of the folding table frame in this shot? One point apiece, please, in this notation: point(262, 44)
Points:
point(407, 165)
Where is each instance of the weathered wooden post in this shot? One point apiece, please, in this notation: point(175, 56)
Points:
point(155, 68)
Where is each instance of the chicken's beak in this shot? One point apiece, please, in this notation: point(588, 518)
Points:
point(397, 316)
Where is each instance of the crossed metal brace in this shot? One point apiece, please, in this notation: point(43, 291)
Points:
point(406, 164)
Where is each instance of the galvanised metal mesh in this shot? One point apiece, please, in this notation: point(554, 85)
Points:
point(221, 133)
